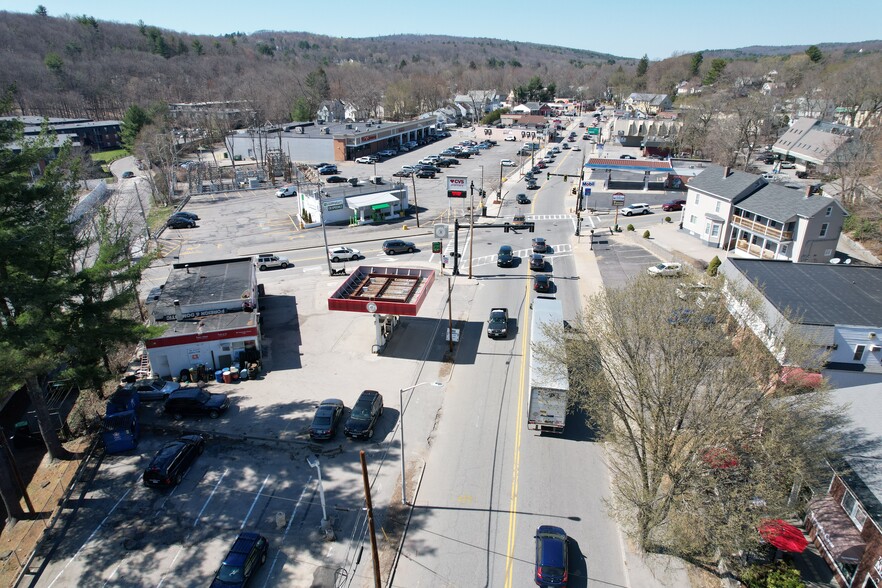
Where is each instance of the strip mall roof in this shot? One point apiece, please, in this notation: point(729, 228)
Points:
point(634, 165)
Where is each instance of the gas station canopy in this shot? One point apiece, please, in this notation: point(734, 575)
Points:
point(633, 165)
point(383, 290)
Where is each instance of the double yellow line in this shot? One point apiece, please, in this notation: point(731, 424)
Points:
point(516, 456)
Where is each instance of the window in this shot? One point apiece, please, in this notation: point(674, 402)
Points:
point(707, 227)
point(829, 210)
point(692, 219)
point(783, 249)
point(696, 199)
point(715, 231)
point(824, 228)
point(854, 510)
point(859, 352)
point(717, 207)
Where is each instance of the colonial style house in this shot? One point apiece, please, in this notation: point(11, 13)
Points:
point(476, 103)
point(750, 217)
point(648, 104)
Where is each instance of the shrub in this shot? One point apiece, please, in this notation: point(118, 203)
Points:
point(713, 266)
point(667, 219)
point(778, 576)
point(646, 234)
point(629, 228)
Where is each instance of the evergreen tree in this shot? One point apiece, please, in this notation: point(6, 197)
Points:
point(642, 66)
point(814, 54)
point(133, 121)
point(695, 66)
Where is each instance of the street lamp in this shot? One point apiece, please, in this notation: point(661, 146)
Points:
point(401, 392)
point(328, 530)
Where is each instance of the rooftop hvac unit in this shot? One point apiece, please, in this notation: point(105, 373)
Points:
point(326, 130)
point(348, 126)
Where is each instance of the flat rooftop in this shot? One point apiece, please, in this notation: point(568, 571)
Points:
point(204, 283)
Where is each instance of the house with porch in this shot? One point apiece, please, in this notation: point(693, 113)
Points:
point(744, 214)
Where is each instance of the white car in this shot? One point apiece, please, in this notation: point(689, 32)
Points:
point(343, 253)
point(286, 191)
point(665, 269)
point(507, 163)
point(364, 160)
point(511, 138)
point(637, 208)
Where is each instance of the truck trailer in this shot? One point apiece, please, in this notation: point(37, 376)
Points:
point(549, 384)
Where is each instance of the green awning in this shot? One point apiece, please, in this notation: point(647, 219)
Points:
point(380, 206)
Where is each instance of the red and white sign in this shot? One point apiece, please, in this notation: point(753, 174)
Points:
point(457, 186)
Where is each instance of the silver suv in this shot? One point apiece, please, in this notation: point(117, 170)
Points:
point(265, 260)
point(641, 208)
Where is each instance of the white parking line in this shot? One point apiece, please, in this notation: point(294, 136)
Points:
point(210, 496)
point(254, 502)
point(287, 528)
point(86, 542)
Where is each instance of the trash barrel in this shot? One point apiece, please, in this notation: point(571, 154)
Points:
point(234, 373)
point(243, 374)
point(219, 376)
point(228, 377)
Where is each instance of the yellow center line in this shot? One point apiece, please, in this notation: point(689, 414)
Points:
point(519, 427)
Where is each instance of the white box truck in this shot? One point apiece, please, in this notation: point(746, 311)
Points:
point(549, 384)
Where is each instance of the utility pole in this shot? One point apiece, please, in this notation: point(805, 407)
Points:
point(416, 206)
point(370, 516)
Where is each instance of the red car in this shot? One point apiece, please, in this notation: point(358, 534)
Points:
point(673, 205)
point(541, 165)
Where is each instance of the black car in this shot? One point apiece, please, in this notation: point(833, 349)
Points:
point(532, 185)
point(535, 170)
point(522, 199)
point(185, 214)
point(196, 402)
point(402, 174)
point(462, 155)
point(393, 246)
point(542, 283)
point(505, 257)
point(336, 180)
point(172, 461)
point(247, 554)
point(327, 170)
point(539, 245)
point(551, 556)
point(537, 262)
point(429, 167)
point(364, 416)
point(447, 162)
point(327, 415)
point(425, 173)
point(180, 222)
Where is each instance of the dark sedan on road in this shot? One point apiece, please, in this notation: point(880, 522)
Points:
point(180, 222)
point(539, 245)
point(172, 461)
point(327, 415)
point(522, 199)
point(537, 262)
point(551, 557)
point(364, 416)
point(542, 283)
point(505, 257)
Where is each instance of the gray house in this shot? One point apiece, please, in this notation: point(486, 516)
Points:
point(750, 217)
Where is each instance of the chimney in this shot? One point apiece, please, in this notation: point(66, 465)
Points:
point(808, 192)
point(179, 316)
point(726, 171)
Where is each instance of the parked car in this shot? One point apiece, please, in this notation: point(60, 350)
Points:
point(327, 170)
point(507, 163)
point(788, 165)
point(428, 167)
point(551, 556)
point(286, 191)
point(537, 262)
point(343, 253)
point(539, 245)
point(184, 214)
point(268, 260)
point(665, 269)
point(171, 462)
point(626, 156)
point(637, 208)
point(152, 388)
point(364, 159)
point(425, 173)
point(510, 138)
point(447, 162)
point(462, 155)
point(246, 555)
point(336, 180)
point(673, 205)
point(180, 222)
point(522, 199)
point(195, 402)
point(505, 257)
point(393, 246)
point(318, 166)
point(324, 422)
point(365, 413)
point(128, 174)
point(542, 283)
point(402, 174)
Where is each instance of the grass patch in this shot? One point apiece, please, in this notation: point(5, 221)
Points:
point(158, 216)
point(108, 156)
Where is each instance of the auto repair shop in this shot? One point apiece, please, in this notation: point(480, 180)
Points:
point(211, 314)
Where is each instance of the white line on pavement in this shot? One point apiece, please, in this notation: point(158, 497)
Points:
point(287, 528)
point(254, 502)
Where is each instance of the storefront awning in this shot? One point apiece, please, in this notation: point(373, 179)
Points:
point(836, 533)
point(379, 206)
point(371, 200)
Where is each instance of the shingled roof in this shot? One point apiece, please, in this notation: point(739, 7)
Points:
point(726, 184)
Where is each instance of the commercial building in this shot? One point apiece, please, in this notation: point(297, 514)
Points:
point(355, 205)
point(211, 317)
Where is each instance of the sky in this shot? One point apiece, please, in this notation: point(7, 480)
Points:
point(629, 29)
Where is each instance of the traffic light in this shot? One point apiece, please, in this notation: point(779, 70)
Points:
point(548, 175)
point(532, 227)
point(505, 228)
point(436, 246)
point(565, 178)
